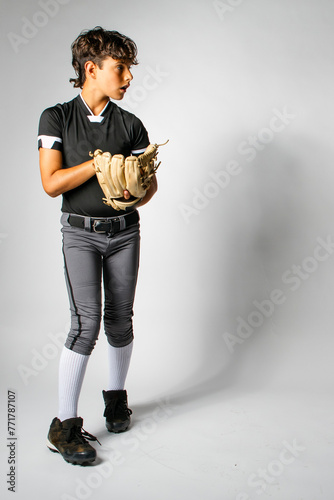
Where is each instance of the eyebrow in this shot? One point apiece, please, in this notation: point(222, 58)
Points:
point(127, 62)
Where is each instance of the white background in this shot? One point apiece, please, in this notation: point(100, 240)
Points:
point(219, 73)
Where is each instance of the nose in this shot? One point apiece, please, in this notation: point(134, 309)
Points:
point(128, 75)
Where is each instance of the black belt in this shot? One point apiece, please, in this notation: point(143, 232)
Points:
point(108, 225)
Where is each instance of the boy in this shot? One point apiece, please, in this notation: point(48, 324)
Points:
point(67, 133)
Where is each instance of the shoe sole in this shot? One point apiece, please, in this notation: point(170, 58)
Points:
point(73, 462)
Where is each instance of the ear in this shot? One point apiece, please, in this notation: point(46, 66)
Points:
point(90, 69)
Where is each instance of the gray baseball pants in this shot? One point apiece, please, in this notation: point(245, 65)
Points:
point(91, 259)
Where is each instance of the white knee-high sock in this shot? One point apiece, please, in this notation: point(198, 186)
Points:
point(72, 368)
point(119, 361)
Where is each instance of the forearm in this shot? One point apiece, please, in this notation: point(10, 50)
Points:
point(65, 179)
point(149, 193)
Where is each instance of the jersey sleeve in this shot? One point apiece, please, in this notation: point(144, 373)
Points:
point(140, 139)
point(50, 130)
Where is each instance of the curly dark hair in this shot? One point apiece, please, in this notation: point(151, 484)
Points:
point(96, 45)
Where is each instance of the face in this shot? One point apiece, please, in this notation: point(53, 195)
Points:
point(113, 78)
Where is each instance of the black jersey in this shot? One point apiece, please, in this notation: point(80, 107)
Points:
point(74, 130)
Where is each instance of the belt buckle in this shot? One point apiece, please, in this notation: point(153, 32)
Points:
point(96, 222)
point(111, 226)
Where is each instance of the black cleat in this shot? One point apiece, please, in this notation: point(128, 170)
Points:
point(70, 440)
point(116, 412)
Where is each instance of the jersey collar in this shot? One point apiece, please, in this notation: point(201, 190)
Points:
point(94, 118)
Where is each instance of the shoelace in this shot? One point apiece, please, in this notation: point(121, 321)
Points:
point(80, 435)
point(118, 406)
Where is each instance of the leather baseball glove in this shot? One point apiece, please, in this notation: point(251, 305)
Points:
point(117, 174)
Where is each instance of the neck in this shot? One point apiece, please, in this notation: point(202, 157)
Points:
point(95, 102)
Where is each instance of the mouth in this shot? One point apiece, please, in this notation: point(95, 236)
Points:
point(125, 87)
